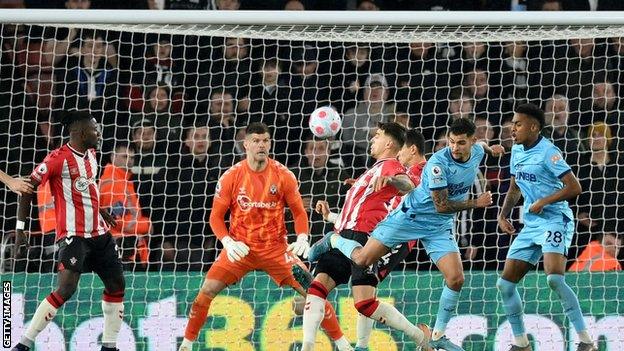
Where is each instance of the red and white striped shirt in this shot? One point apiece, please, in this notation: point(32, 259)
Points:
point(73, 184)
point(364, 207)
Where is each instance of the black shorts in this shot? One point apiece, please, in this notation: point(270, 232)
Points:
point(99, 255)
point(340, 268)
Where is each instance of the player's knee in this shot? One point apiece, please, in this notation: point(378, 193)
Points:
point(210, 289)
point(362, 261)
point(505, 287)
point(455, 282)
point(555, 281)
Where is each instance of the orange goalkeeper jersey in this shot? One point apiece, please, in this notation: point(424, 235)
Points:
point(256, 201)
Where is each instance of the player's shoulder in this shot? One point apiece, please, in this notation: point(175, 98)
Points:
point(281, 169)
point(233, 171)
point(440, 157)
point(58, 155)
point(391, 163)
point(517, 148)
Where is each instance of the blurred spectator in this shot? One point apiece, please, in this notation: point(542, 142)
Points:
point(231, 5)
point(598, 174)
point(294, 5)
point(576, 70)
point(403, 118)
point(419, 77)
point(460, 105)
point(477, 88)
point(557, 129)
point(367, 5)
point(320, 179)
point(90, 79)
point(349, 72)
point(484, 132)
point(361, 122)
point(158, 110)
point(192, 176)
point(223, 120)
point(518, 76)
point(601, 254)
point(605, 108)
point(476, 56)
point(552, 5)
point(119, 198)
point(439, 140)
point(158, 68)
point(229, 68)
point(78, 4)
point(149, 170)
point(268, 100)
point(616, 62)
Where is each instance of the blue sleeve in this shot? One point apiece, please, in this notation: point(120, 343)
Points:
point(479, 151)
point(436, 176)
point(555, 163)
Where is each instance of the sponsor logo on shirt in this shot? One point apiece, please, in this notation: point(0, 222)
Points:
point(82, 183)
point(245, 203)
point(529, 177)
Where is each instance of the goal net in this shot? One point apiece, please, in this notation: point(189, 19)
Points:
point(172, 101)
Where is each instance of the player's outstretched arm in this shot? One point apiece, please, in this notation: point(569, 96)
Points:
point(512, 198)
point(235, 250)
point(571, 189)
point(494, 150)
point(23, 211)
point(17, 185)
point(401, 182)
point(444, 205)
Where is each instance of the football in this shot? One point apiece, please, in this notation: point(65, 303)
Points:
point(325, 122)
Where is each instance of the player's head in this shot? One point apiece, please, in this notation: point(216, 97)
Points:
point(461, 138)
point(413, 148)
point(257, 142)
point(123, 156)
point(83, 129)
point(388, 140)
point(528, 121)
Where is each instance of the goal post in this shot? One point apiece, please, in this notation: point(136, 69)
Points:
point(172, 90)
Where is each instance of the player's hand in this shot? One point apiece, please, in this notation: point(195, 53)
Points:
point(20, 186)
point(20, 240)
point(484, 200)
point(506, 226)
point(380, 182)
point(537, 207)
point(349, 181)
point(322, 207)
point(301, 247)
point(108, 218)
point(235, 250)
point(497, 150)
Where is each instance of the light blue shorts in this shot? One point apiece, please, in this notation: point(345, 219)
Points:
point(533, 242)
point(399, 228)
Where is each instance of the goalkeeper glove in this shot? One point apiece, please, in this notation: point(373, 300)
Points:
point(235, 250)
point(301, 247)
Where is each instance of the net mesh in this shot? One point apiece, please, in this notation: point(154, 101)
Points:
point(179, 95)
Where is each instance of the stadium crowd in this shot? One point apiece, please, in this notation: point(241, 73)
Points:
point(172, 110)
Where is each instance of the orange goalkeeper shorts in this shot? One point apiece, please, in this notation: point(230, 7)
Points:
point(277, 263)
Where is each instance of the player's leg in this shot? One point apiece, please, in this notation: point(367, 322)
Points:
point(522, 256)
point(300, 279)
point(449, 264)
point(70, 266)
point(555, 248)
point(221, 274)
point(104, 260)
point(362, 256)
point(368, 305)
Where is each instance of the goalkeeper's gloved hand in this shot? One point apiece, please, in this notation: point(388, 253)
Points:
point(236, 250)
point(301, 247)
